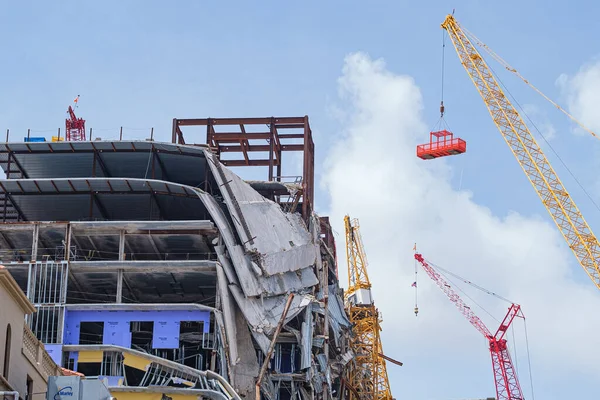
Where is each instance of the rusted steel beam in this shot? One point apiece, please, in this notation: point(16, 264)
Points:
point(260, 148)
point(252, 163)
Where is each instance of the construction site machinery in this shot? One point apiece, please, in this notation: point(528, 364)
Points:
point(577, 233)
point(505, 377)
point(367, 375)
point(74, 127)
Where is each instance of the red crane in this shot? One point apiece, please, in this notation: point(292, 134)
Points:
point(505, 377)
point(75, 127)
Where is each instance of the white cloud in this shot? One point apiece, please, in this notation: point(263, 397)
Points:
point(373, 174)
point(583, 94)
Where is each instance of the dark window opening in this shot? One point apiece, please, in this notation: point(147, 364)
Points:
point(192, 338)
point(89, 369)
point(7, 352)
point(29, 394)
point(91, 333)
point(285, 391)
point(68, 361)
point(133, 376)
point(141, 335)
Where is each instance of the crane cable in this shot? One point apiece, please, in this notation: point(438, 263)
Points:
point(545, 139)
point(441, 122)
point(445, 272)
point(443, 54)
point(528, 359)
point(514, 71)
point(468, 282)
point(415, 283)
point(439, 269)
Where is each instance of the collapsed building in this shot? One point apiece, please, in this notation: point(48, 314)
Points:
point(154, 267)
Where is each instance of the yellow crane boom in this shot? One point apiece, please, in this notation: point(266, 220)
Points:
point(554, 196)
point(367, 372)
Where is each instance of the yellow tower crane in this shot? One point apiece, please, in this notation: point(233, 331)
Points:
point(367, 373)
point(554, 196)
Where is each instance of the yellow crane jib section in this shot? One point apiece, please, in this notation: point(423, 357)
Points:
point(367, 372)
point(359, 285)
point(528, 153)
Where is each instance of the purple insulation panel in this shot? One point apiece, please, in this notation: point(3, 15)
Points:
point(117, 325)
point(55, 352)
point(165, 335)
point(117, 333)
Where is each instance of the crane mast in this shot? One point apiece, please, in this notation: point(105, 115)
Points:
point(367, 373)
point(528, 153)
point(505, 377)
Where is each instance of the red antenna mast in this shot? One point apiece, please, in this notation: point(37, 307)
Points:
point(74, 127)
point(505, 377)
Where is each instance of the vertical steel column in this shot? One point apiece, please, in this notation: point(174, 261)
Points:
point(8, 165)
point(174, 131)
point(31, 278)
point(34, 246)
point(5, 205)
point(63, 300)
point(278, 153)
point(271, 148)
point(208, 133)
point(68, 233)
point(305, 172)
point(120, 271)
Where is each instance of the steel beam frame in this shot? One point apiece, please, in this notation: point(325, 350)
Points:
point(239, 140)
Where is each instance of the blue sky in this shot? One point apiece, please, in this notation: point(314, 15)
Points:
point(138, 64)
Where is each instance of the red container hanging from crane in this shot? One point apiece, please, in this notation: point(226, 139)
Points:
point(444, 144)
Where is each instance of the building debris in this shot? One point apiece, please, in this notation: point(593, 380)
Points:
point(155, 267)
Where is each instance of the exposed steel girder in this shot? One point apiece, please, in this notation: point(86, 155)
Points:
point(258, 148)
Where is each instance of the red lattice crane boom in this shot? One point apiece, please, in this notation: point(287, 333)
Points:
point(74, 127)
point(505, 377)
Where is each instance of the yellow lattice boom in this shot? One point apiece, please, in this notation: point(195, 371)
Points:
point(528, 153)
point(367, 372)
